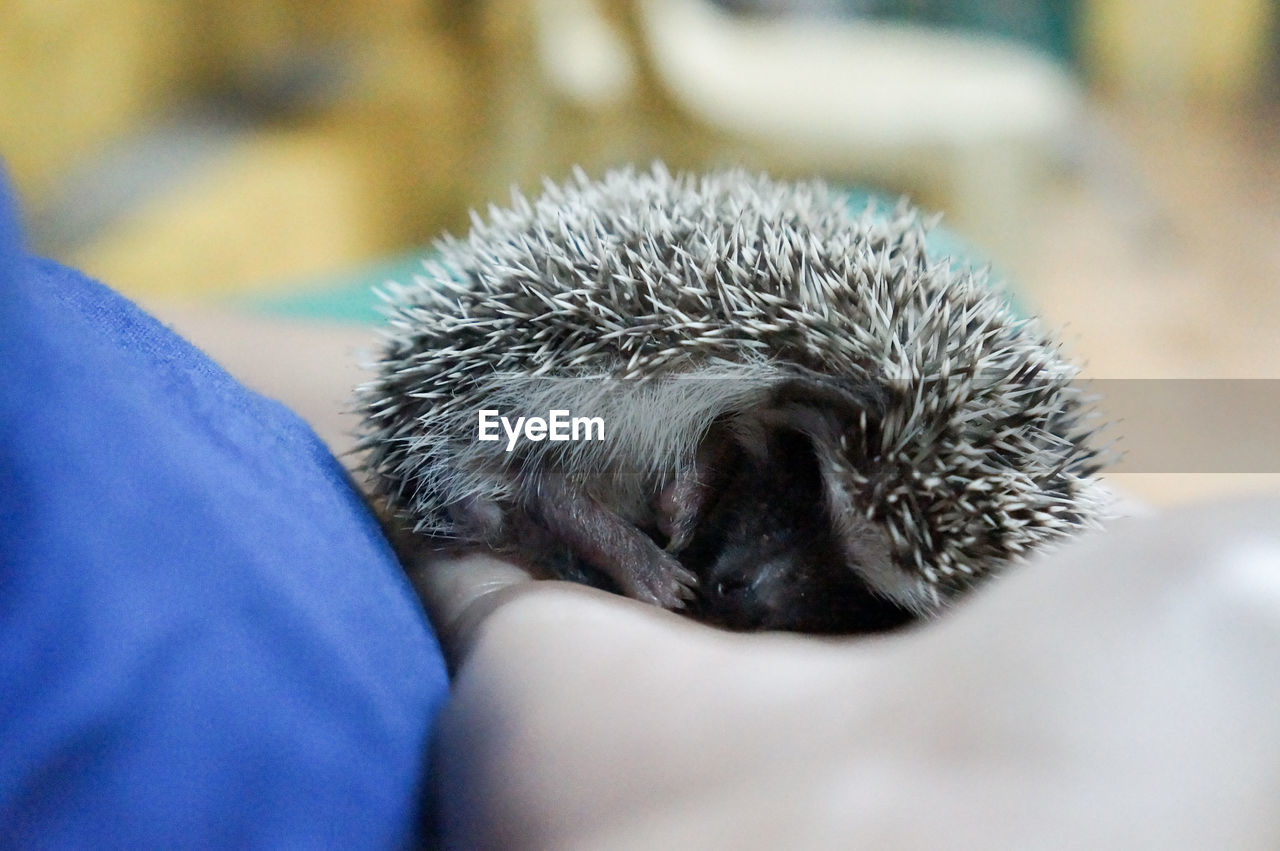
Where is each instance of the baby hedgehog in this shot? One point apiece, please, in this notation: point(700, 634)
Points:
point(787, 415)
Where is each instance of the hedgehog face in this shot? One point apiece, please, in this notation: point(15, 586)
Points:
point(767, 558)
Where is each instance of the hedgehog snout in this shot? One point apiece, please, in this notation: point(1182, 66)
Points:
point(748, 589)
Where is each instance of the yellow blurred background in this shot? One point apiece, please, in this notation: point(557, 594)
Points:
point(1119, 159)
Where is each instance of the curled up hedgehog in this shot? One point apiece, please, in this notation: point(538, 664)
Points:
point(725, 395)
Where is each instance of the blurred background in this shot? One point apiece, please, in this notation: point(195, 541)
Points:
point(247, 170)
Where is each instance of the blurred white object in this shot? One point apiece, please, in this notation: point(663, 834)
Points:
point(821, 87)
point(973, 122)
point(584, 57)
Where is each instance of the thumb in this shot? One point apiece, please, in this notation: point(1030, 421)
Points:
point(460, 591)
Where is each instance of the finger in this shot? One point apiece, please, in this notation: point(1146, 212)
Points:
point(460, 591)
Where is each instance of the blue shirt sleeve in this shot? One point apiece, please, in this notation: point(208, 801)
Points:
point(205, 640)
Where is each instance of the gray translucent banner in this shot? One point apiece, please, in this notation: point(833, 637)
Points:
point(1187, 425)
point(1156, 425)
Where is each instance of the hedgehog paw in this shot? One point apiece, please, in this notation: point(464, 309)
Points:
point(662, 581)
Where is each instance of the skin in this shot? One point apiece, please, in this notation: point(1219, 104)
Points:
point(1118, 694)
point(635, 564)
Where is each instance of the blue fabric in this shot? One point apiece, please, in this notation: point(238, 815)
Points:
point(205, 640)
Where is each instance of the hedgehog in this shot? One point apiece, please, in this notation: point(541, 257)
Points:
point(793, 415)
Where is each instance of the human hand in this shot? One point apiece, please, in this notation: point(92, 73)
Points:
point(1119, 693)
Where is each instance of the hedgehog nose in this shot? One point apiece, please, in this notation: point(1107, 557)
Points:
point(733, 602)
point(734, 585)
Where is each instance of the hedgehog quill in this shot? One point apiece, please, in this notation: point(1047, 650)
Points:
point(812, 424)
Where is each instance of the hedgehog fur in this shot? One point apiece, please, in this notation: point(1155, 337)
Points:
point(669, 304)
